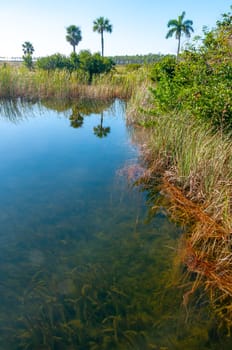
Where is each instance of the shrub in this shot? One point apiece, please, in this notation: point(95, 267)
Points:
point(94, 64)
point(56, 61)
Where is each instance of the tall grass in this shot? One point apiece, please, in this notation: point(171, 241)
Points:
point(189, 153)
point(195, 165)
point(39, 84)
point(197, 160)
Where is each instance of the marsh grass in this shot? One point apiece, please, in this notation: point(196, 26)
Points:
point(40, 84)
point(194, 165)
point(196, 160)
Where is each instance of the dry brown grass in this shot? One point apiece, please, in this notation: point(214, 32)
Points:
point(206, 250)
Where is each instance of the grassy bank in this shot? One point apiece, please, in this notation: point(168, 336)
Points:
point(193, 164)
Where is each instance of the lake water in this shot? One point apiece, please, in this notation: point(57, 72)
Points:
point(82, 263)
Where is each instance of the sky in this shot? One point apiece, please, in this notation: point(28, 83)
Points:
point(139, 26)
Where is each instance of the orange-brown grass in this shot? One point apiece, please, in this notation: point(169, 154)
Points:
point(206, 250)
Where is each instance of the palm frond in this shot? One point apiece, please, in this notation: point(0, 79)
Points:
point(173, 23)
point(170, 33)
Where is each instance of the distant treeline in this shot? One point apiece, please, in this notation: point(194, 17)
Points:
point(125, 59)
point(140, 59)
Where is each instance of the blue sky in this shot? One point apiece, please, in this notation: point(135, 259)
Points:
point(139, 26)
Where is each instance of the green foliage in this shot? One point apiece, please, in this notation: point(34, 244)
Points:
point(56, 61)
point(205, 90)
point(165, 92)
point(73, 36)
point(165, 67)
point(101, 25)
point(86, 62)
point(200, 82)
point(74, 61)
point(28, 48)
point(178, 27)
point(226, 20)
point(94, 64)
point(27, 61)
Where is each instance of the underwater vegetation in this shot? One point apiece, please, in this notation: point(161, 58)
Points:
point(90, 266)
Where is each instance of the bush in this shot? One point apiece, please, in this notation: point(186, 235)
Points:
point(85, 62)
point(165, 67)
point(56, 61)
point(94, 64)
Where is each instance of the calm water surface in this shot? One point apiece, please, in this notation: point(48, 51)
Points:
point(81, 266)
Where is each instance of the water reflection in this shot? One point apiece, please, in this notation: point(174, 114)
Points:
point(84, 106)
point(100, 130)
point(15, 110)
point(76, 119)
point(81, 267)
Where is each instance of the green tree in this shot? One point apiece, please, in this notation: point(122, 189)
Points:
point(178, 27)
point(28, 50)
point(101, 25)
point(94, 64)
point(73, 36)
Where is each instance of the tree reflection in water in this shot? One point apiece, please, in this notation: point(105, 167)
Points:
point(76, 119)
point(101, 131)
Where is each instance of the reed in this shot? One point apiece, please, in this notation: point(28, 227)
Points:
point(40, 84)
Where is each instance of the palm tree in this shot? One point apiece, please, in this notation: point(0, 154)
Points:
point(179, 27)
point(101, 131)
point(28, 48)
point(101, 25)
point(73, 36)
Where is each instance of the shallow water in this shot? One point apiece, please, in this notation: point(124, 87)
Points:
point(82, 266)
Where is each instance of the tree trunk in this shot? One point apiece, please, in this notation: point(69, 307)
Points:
point(102, 43)
point(178, 49)
point(101, 119)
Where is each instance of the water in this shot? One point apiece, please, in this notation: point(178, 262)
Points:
point(81, 265)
